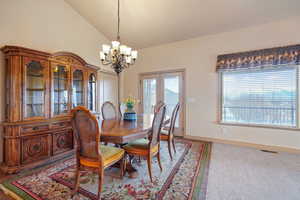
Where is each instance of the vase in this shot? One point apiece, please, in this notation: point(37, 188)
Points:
point(130, 114)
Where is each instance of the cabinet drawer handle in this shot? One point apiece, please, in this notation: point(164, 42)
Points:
point(35, 128)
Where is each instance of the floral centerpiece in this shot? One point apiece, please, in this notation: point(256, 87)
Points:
point(130, 102)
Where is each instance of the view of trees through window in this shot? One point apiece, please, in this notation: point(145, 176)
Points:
point(264, 97)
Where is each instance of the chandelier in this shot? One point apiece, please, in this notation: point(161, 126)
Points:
point(117, 55)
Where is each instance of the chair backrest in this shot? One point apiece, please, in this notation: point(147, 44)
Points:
point(157, 123)
point(173, 118)
point(158, 105)
point(122, 109)
point(109, 111)
point(86, 131)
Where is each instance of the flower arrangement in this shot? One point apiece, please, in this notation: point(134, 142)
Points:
point(130, 102)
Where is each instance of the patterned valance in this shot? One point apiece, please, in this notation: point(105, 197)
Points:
point(260, 58)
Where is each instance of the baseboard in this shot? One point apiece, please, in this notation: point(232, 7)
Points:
point(245, 144)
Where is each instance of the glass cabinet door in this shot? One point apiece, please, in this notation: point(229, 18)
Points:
point(78, 91)
point(61, 96)
point(92, 92)
point(34, 90)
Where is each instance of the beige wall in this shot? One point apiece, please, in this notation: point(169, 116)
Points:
point(47, 25)
point(198, 56)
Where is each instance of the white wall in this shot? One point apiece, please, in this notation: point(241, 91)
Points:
point(198, 56)
point(47, 25)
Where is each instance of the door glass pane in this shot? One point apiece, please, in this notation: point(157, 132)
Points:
point(171, 95)
point(60, 76)
point(92, 92)
point(77, 88)
point(149, 95)
point(35, 90)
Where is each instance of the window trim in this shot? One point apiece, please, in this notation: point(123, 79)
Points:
point(220, 112)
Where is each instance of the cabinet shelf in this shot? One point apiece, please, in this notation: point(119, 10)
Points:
point(35, 89)
point(60, 79)
point(35, 75)
point(60, 90)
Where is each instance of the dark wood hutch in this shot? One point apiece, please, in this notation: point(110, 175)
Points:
point(41, 89)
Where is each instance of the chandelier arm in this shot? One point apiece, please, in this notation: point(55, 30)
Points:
point(104, 62)
point(120, 58)
point(132, 62)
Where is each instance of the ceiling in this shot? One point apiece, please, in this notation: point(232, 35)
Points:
point(146, 23)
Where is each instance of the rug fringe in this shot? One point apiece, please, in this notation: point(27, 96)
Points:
point(10, 193)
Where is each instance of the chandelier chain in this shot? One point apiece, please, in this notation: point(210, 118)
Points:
point(118, 37)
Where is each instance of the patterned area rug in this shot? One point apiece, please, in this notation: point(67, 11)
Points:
point(183, 178)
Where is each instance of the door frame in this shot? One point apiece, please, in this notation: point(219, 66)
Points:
point(181, 71)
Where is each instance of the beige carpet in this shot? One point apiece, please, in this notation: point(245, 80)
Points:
point(239, 173)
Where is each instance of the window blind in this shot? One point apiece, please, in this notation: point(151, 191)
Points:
point(262, 97)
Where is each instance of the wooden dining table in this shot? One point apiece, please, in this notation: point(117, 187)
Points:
point(120, 132)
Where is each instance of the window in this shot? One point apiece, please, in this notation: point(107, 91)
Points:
point(261, 97)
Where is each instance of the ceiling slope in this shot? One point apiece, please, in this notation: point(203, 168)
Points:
point(146, 23)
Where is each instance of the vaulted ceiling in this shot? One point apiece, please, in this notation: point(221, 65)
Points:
point(147, 23)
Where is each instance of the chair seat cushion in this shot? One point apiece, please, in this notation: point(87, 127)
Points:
point(139, 147)
point(109, 154)
point(140, 144)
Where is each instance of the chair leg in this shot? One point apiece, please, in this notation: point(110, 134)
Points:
point(158, 159)
point(100, 183)
point(170, 150)
point(173, 141)
point(122, 166)
point(149, 161)
point(77, 177)
point(140, 159)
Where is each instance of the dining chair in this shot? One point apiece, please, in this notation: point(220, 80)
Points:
point(158, 105)
point(89, 152)
point(149, 147)
point(168, 135)
point(109, 111)
point(122, 109)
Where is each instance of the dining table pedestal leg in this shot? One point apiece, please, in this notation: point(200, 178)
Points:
point(132, 172)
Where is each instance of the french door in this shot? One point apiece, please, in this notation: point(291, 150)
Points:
point(167, 87)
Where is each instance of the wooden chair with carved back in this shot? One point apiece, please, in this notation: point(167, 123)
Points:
point(149, 147)
point(168, 135)
point(109, 111)
point(90, 153)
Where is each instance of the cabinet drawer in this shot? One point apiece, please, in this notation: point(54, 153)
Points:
point(62, 141)
point(58, 125)
point(34, 128)
point(35, 148)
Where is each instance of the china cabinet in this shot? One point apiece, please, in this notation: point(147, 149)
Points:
point(41, 89)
